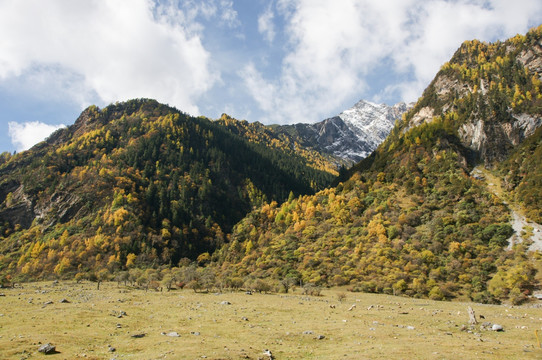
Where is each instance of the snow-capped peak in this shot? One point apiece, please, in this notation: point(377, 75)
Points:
point(372, 122)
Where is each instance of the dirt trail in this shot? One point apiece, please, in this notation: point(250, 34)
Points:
point(523, 228)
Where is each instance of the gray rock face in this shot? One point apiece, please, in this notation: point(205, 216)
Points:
point(493, 140)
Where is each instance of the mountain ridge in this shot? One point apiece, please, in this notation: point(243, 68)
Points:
point(408, 219)
point(350, 136)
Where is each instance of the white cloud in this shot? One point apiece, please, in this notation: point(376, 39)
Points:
point(25, 135)
point(229, 15)
point(112, 49)
point(334, 47)
point(266, 26)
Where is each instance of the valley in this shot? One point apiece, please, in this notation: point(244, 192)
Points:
point(142, 190)
point(182, 324)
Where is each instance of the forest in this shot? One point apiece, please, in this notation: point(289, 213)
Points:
point(143, 193)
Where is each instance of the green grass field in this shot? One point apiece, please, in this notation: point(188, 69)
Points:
point(291, 325)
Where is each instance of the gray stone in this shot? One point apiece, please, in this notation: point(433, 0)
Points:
point(64, 301)
point(497, 327)
point(225, 303)
point(47, 349)
point(137, 336)
point(173, 334)
point(320, 337)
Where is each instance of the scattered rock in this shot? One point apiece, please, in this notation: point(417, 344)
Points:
point(225, 303)
point(47, 349)
point(137, 336)
point(352, 307)
point(111, 349)
point(332, 306)
point(320, 337)
point(48, 302)
point(244, 318)
point(308, 332)
point(64, 301)
point(248, 293)
point(486, 325)
point(196, 333)
point(410, 327)
point(119, 326)
point(268, 353)
point(2, 294)
point(172, 334)
point(497, 327)
point(370, 307)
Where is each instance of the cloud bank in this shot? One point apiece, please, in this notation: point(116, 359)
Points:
point(25, 135)
point(334, 47)
point(110, 50)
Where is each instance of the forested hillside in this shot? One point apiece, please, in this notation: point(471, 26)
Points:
point(140, 185)
point(411, 219)
point(522, 174)
point(136, 184)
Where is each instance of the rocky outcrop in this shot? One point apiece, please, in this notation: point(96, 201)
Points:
point(352, 135)
point(492, 141)
point(19, 208)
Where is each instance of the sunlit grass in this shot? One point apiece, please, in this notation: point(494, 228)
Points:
point(289, 325)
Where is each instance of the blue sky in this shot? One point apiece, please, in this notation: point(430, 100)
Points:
point(277, 61)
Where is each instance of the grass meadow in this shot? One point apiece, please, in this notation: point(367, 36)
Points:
point(336, 325)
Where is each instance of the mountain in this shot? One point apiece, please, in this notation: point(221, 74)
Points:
point(140, 184)
point(136, 183)
point(350, 136)
point(411, 219)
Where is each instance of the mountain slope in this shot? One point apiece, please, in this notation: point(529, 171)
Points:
point(411, 219)
point(350, 136)
point(522, 173)
point(136, 183)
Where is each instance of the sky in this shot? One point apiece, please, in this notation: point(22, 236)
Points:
point(273, 61)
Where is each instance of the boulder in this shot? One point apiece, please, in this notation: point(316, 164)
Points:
point(47, 349)
point(497, 327)
point(172, 334)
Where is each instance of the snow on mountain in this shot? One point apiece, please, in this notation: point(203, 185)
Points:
point(352, 135)
point(364, 126)
point(372, 122)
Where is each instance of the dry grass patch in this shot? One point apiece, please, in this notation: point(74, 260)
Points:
point(236, 325)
